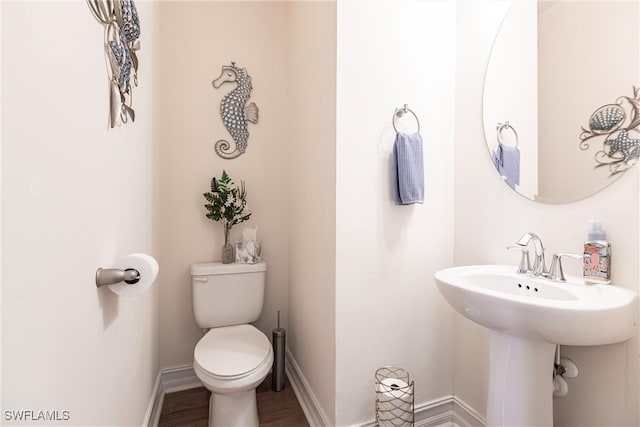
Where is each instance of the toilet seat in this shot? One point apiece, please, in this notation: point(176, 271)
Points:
point(232, 352)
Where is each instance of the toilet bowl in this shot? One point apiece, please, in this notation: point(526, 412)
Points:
point(231, 362)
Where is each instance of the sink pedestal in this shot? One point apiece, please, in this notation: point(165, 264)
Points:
point(520, 381)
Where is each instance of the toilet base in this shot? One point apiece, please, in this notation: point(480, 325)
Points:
point(233, 410)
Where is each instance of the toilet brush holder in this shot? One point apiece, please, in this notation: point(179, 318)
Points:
point(278, 372)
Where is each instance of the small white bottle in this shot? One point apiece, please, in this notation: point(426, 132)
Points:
point(597, 255)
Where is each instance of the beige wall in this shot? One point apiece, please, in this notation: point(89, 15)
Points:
point(289, 50)
point(606, 392)
point(254, 35)
point(312, 185)
point(388, 309)
point(165, 182)
point(76, 196)
point(351, 272)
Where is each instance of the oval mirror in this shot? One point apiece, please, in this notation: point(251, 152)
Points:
point(561, 108)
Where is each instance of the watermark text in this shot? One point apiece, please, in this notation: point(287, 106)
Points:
point(36, 415)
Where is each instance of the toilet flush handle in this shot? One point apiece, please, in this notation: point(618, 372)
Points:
point(201, 278)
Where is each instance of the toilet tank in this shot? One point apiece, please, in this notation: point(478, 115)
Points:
point(227, 294)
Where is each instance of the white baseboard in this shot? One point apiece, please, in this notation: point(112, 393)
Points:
point(465, 415)
point(308, 402)
point(448, 411)
point(169, 380)
point(155, 404)
point(183, 378)
point(179, 378)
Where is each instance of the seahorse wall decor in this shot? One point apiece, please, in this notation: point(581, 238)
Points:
point(235, 111)
point(121, 37)
point(620, 149)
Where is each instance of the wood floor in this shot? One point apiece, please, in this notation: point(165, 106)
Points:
point(190, 408)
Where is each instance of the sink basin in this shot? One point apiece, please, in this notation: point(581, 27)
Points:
point(526, 317)
point(570, 313)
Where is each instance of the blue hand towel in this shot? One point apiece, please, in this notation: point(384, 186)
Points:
point(408, 169)
point(507, 161)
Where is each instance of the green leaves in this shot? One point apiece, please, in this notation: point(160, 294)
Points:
point(228, 203)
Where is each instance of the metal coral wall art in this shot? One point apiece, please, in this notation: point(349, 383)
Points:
point(619, 125)
point(121, 34)
point(235, 111)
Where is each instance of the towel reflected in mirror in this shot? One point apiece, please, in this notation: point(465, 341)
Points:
point(506, 159)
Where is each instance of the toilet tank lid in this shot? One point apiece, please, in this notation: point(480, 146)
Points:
point(211, 268)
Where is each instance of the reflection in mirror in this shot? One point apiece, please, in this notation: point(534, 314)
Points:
point(557, 68)
point(609, 124)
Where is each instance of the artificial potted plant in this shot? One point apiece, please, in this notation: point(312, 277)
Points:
point(227, 203)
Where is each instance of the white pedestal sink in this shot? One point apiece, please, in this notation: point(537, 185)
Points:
point(526, 317)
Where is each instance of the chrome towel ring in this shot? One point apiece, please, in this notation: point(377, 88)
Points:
point(500, 127)
point(399, 112)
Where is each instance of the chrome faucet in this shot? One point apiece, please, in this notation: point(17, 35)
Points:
point(539, 266)
point(556, 273)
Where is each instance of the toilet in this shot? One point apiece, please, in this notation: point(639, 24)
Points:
point(233, 357)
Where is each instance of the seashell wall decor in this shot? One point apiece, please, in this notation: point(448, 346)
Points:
point(235, 111)
point(121, 42)
point(621, 137)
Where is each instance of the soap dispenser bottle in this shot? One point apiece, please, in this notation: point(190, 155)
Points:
point(597, 255)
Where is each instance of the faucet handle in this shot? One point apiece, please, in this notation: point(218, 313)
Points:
point(525, 263)
point(555, 272)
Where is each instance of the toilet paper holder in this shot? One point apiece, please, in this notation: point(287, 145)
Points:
point(394, 397)
point(111, 276)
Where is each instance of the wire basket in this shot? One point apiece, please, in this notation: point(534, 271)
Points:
point(394, 398)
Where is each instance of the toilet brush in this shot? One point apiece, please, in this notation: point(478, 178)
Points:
point(277, 372)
